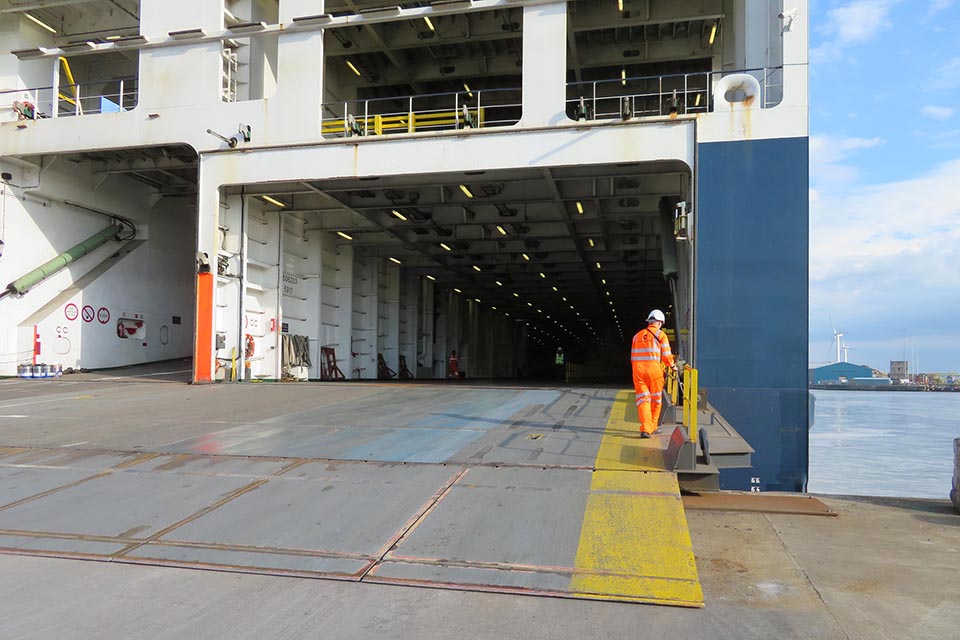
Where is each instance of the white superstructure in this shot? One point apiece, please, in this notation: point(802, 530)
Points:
point(383, 180)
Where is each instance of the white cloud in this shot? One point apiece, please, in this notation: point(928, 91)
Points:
point(885, 263)
point(827, 154)
point(852, 24)
point(936, 6)
point(948, 74)
point(937, 112)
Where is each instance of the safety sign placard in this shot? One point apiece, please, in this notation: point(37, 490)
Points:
point(71, 311)
point(103, 315)
point(87, 313)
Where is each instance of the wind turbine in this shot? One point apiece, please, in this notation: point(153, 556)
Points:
point(837, 338)
point(845, 354)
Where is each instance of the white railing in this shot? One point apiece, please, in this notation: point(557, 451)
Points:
point(655, 96)
point(70, 100)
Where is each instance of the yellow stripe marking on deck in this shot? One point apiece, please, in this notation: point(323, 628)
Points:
point(634, 542)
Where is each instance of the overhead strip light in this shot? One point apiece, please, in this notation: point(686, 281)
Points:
point(274, 201)
point(579, 207)
point(445, 246)
point(555, 289)
point(41, 23)
point(431, 278)
point(516, 295)
point(354, 69)
point(344, 235)
point(598, 266)
point(466, 191)
point(466, 88)
point(590, 240)
point(620, 6)
point(398, 215)
point(542, 275)
point(476, 268)
point(713, 33)
point(623, 76)
point(395, 261)
point(457, 290)
point(502, 231)
point(429, 23)
point(525, 256)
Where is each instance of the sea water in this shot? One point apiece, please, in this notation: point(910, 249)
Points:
point(883, 443)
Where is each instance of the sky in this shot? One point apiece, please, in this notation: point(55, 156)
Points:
point(885, 181)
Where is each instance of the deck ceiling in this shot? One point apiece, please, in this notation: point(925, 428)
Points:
point(519, 243)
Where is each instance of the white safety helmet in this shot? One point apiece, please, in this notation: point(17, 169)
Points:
point(657, 315)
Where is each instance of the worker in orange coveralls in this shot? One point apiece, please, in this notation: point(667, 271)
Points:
point(649, 354)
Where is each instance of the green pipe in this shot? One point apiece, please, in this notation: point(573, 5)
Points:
point(25, 283)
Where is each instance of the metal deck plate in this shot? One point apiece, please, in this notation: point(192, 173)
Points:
point(582, 507)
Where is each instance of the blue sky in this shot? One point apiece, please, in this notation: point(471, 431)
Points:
point(885, 181)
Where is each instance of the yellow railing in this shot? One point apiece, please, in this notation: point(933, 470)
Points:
point(690, 397)
point(378, 125)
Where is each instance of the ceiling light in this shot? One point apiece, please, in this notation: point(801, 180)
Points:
point(431, 278)
point(467, 89)
point(429, 23)
point(598, 266)
point(555, 289)
point(398, 215)
point(590, 240)
point(457, 290)
point(579, 207)
point(42, 24)
point(344, 236)
point(603, 280)
point(502, 231)
point(499, 284)
point(274, 201)
point(516, 295)
point(494, 308)
point(620, 6)
point(466, 191)
point(542, 275)
point(713, 33)
point(395, 261)
point(525, 256)
point(354, 69)
point(539, 310)
point(476, 268)
point(476, 299)
point(697, 101)
point(529, 304)
point(445, 246)
point(623, 76)
point(564, 299)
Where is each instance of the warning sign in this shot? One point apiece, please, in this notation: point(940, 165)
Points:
point(87, 313)
point(71, 311)
point(103, 315)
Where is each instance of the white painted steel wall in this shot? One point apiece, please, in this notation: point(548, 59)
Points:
point(156, 280)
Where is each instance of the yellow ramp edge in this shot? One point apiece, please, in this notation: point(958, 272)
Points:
point(634, 542)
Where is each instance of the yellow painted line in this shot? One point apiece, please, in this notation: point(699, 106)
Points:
point(621, 448)
point(634, 542)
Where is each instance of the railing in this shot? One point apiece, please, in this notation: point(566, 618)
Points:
point(427, 112)
point(71, 99)
point(687, 392)
point(652, 96)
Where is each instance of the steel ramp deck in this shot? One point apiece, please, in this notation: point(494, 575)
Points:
point(481, 517)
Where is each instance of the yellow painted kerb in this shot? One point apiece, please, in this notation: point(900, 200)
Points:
point(634, 542)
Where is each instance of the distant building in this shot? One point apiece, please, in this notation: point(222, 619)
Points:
point(838, 372)
point(900, 369)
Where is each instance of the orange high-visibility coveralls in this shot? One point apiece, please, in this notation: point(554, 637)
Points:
point(649, 354)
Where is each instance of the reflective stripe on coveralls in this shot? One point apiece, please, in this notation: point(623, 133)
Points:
point(649, 353)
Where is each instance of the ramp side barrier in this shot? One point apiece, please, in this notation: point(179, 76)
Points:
point(689, 394)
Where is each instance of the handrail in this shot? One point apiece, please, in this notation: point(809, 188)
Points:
point(75, 99)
